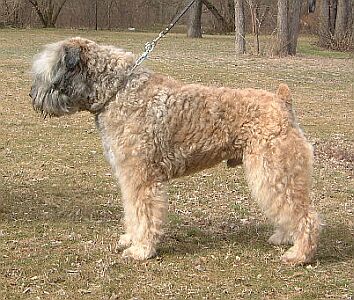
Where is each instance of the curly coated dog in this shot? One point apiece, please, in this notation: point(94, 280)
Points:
point(155, 128)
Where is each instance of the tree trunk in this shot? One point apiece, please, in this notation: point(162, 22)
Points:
point(294, 23)
point(96, 15)
point(324, 13)
point(254, 11)
point(336, 25)
point(195, 20)
point(282, 25)
point(256, 28)
point(240, 43)
point(324, 31)
point(342, 18)
point(343, 32)
point(11, 12)
point(224, 26)
point(350, 6)
point(311, 6)
point(49, 12)
point(39, 12)
point(110, 5)
point(231, 12)
point(332, 15)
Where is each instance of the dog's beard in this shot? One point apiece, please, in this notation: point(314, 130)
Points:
point(56, 101)
point(50, 102)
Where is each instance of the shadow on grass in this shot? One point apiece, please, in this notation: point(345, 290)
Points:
point(60, 205)
point(191, 240)
point(336, 244)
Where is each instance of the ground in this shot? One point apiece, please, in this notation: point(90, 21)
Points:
point(60, 208)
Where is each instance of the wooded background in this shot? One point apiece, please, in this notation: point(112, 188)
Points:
point(122, 14)
point(330, 20)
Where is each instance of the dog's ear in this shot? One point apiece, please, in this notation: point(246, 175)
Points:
point(72, 57)
point(67, 68)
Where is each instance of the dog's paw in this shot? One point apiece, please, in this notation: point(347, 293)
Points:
point(294, 257)
point(139, 252)
point(280, 238)
point(124, 241)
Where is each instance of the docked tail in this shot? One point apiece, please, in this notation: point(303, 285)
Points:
point(283, 93)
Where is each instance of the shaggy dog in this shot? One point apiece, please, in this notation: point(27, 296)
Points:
point(155, 128)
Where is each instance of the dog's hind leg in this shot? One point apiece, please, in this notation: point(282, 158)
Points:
point(279, 175)
point(145, 207)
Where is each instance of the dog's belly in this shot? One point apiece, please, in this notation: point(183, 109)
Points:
point(184, 162)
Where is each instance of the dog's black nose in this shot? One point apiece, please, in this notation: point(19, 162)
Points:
point(33, 92)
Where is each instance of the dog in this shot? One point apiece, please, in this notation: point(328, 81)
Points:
point(155, 128)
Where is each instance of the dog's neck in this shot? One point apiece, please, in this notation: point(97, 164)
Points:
point(127, 80)
point(111, 74)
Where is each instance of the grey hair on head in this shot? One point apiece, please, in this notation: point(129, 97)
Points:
point(59, 80)
point(77, 74)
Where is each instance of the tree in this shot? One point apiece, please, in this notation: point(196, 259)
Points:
point(311, 6)
point(332, 14)
point(194, 29)
point(257, 20)
point(288, 21)
point(240, 42)
point(194, 21)
point(231, 12)
point(343, 25)
point(223, 24)
point(96, 15)
point(48, 10)
point(109, 11)
point(293, 25)
point(335, 28)
point(282, 28)
point(11, 11)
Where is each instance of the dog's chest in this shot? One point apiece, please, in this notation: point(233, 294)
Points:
point(106, 141)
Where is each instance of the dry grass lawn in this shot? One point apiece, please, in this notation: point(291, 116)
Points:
point(60, 209)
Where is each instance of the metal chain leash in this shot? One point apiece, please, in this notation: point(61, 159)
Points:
point(149, 46)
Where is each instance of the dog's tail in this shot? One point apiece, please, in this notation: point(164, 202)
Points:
point(283, 93)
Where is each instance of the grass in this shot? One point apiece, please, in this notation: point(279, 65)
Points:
point(60, 209)
point(307, 46)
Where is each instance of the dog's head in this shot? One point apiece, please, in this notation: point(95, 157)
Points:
point(59, 79)
point(69, 76)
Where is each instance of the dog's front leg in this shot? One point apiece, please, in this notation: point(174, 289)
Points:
point(145, 207)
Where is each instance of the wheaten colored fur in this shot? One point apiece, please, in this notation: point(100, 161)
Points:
point(155, 128)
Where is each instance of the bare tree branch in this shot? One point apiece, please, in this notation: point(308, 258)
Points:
point(49, 12)
point(59, 8)
point(38, 11)
point(224, 25)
